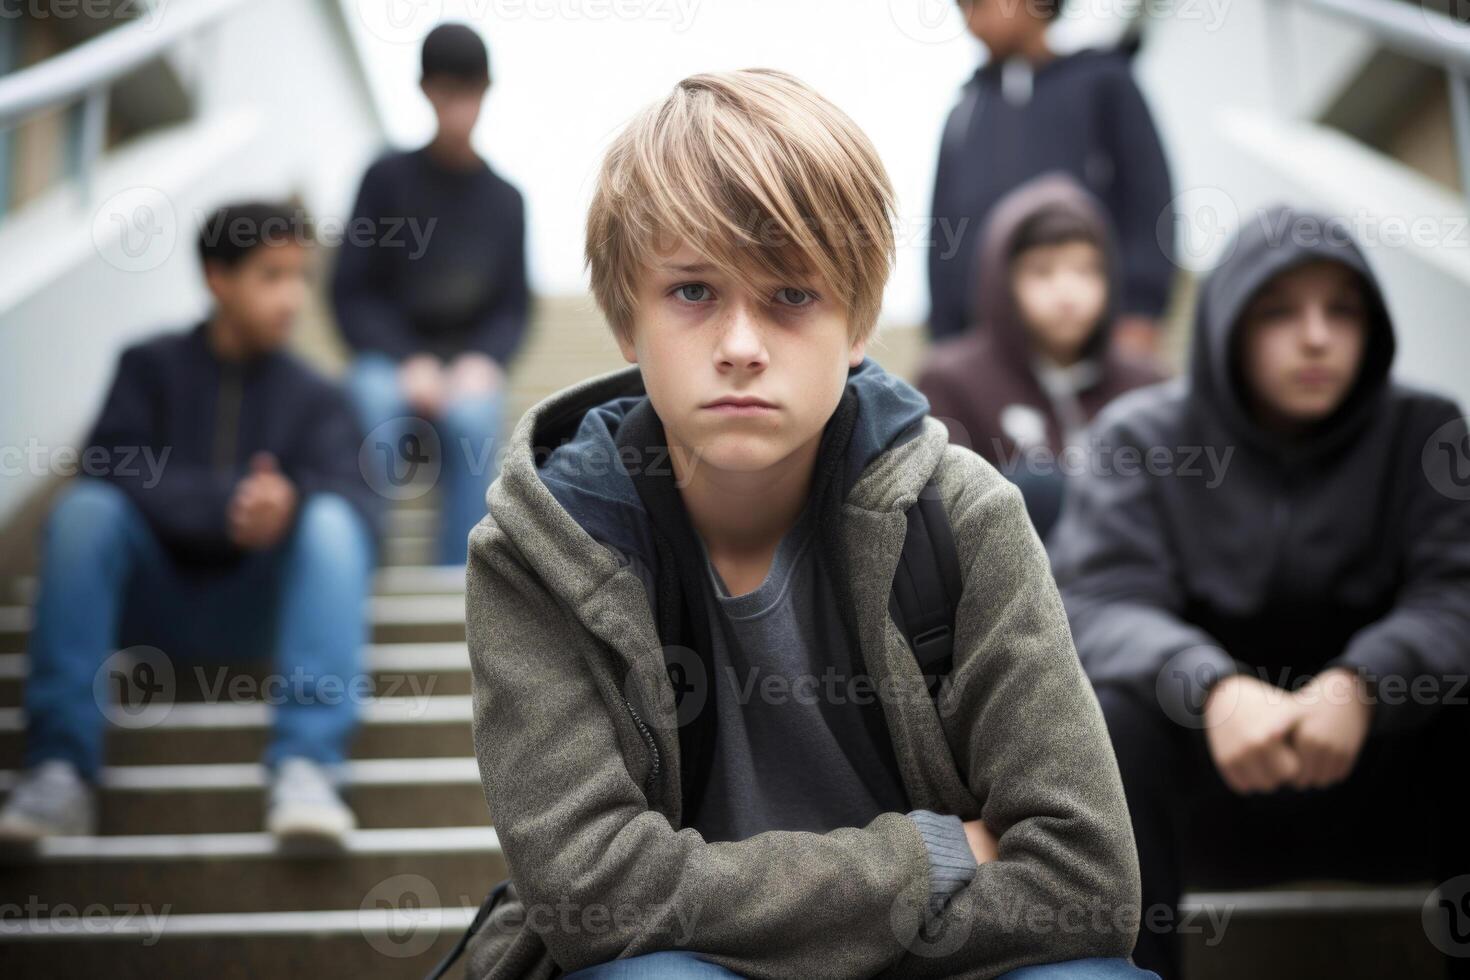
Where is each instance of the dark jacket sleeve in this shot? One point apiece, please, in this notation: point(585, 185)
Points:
point(503, 329)
point(1141, 197)
point(366, 312)
point(948, 304)
point(1427, 632)
point(1119, 578)
point(184, 503)
point(325, 459)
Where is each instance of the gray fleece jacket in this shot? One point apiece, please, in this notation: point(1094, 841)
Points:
point(579, 746)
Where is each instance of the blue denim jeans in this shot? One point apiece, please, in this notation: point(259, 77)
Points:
point(681, 964)
point(106, 583)
point(469, 444)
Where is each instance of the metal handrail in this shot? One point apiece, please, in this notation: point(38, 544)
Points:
point(86, 74)
point(1426, 35)
point(83, 70)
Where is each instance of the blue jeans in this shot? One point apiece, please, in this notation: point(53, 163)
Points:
point(468, 436)
point(681, 964)
point(106, 583)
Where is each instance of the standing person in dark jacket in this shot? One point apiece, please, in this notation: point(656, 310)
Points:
point(1020, 386)
point(436, 304)
point(1278, 622)
point(223, 516)
point(1026, 111)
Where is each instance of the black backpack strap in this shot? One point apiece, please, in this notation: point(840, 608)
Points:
point(927, 586)
point(491, 900)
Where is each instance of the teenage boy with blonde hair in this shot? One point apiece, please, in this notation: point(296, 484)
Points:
point(707, 749)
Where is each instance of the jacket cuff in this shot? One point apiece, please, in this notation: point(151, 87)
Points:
point(951, 863)
point(1191, 674)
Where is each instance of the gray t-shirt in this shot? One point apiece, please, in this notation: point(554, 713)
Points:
point(792, 751)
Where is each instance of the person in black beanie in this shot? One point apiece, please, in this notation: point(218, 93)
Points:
point(430, 293)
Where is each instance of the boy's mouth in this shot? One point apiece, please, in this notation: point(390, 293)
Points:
point(740, 405)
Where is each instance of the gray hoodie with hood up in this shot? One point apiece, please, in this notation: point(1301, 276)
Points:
point(1235, 548)
point(579, 737)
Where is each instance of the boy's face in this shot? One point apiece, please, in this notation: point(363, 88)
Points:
point(263, 293)
point(1061, 292)
point(456, 106)
point(1301, 341)
point(1003, 26)
point(698, 337)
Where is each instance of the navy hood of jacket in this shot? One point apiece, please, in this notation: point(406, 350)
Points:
point(584, 475)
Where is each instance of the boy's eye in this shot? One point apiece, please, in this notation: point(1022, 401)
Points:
point(791, 296)
point(692, 292)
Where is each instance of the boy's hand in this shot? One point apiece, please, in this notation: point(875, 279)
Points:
point(422, 382)
point(982, 842)
point(262, 505)
point(1248, 724)
point(1335, 715)
point(475, 374)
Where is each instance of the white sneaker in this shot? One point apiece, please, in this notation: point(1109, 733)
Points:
point(305, 811)
point(50, 799)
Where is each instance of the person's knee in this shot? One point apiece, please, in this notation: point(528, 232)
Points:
point(669, 964)
point(1138, 729)
point(329, 523)
point(1097, 968)
point(90, 511)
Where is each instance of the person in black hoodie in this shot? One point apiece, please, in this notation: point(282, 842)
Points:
point(434, 303)
point(222, 515)
point(1028, 110)
point(1279, 639)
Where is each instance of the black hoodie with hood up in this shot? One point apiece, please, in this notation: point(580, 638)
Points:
point(1201, 543)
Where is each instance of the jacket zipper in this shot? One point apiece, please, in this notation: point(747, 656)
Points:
point(227, 419)
point(647, 740)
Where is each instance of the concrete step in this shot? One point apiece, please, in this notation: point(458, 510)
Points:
point(1348, 932)
point(395, 619)
point(175, 734)
point(225, 873)
point(230, 797)
point(396, 669)
point(396, 937)
point(20, 590)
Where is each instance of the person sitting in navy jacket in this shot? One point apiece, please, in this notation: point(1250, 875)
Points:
point(224, 517)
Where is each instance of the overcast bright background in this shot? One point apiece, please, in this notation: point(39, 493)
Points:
point(569, 73)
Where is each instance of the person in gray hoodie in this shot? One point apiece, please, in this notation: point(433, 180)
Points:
point(1267, 572)
point(706, 747)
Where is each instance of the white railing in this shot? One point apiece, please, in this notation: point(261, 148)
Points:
point(85, 74)
point(1424, 35)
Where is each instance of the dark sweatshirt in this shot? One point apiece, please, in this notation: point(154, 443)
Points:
point(434, 261)
point(1349, 548)
point(978, 382)
point(203, 418)
point(1084, 116)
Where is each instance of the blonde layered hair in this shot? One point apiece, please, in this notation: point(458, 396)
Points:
point(757, 172)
